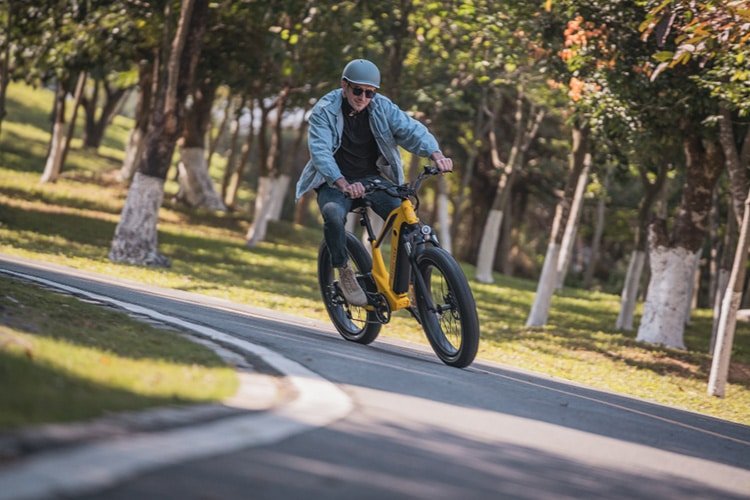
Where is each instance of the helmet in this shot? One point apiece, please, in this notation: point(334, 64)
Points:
point(363, 72)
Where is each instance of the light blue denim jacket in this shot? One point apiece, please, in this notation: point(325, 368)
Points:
point(389, 124)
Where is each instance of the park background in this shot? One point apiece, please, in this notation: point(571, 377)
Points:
point(601, 155)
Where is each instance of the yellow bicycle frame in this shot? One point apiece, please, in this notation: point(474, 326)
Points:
point(382, 276)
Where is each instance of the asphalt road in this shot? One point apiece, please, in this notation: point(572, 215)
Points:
point(420, 429)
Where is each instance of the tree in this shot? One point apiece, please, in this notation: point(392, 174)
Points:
point(135, 239)
point(525, 132)
point(548, 279)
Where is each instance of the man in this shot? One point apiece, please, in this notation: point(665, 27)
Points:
point(353, 136)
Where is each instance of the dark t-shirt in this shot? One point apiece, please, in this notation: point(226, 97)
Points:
point(359, 152)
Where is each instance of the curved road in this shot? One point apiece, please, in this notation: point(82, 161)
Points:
point(419, 429)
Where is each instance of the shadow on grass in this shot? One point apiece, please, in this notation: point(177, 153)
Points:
point(81, 235)
point(53, 198)
point(35, 394)
point(22, 154)
point(28, 113)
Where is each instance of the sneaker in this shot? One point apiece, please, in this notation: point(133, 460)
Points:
point(353, 293)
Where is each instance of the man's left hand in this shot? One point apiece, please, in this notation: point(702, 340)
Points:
point(441, 162)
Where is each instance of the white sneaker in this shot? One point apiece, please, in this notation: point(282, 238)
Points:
point(353, 293)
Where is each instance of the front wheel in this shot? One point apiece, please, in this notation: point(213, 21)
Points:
point(352, 322)
point(447, 308)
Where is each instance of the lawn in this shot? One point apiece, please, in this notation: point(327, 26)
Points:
point(72, 223)
point(64, 360)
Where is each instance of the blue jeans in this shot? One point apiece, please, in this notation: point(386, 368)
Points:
point(334, 206)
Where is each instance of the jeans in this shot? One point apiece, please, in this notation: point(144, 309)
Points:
point(334, 207)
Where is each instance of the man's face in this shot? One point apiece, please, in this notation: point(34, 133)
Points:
point(357, 102)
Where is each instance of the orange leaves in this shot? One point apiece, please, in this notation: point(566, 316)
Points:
point(581, 35)
point(578, 88)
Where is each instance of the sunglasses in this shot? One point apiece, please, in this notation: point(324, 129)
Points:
point(359, 90)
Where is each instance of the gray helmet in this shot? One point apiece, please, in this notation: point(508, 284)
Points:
point(363, 72)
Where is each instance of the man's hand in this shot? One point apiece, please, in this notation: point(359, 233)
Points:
point(355, 190)
point(441, 162)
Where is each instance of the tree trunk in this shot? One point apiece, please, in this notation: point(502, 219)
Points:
point(473, 147)
point(724, 270)
point(524, 135)
point(264, 213)
point(694, 287)
point(601, 207)
point(257, 231)
point(443, 218)
point(214, 142)
point(238, 172)
point(548, 279)
point(728, 321)
point(737, 164)
point(503, 261)
point(5, 63)
point(629, 296)
point(231, 165)
point(738, 181)
point(72, 125)
point(96, 126)
point(57, 142)
point(673, 258)
point(280, 190)
point(136, 140)
point(135, 239)
point(196, 187)
point(571, 226)
point(716, 248)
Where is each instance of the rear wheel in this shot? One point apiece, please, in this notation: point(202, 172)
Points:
point(447, 308)
point(354, 323)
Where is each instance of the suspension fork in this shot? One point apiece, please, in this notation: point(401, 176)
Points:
point(419, 283)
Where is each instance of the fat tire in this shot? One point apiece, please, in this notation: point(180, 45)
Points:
point(363, 262)
point(430, 259)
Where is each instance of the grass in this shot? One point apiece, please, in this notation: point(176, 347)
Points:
point(63, 360)
point(72, 223)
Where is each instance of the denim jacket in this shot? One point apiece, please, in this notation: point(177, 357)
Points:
point(390, 126)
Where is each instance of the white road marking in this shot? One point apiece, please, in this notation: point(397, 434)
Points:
point(99, 465)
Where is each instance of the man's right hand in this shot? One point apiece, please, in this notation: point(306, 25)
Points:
point(354, 190)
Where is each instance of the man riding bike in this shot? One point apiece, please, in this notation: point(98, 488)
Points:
point(353, 137)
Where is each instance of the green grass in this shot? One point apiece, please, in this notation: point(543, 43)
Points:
point(63, 360)
point(72, 223)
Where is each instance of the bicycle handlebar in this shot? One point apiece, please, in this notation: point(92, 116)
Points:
point(404, 190)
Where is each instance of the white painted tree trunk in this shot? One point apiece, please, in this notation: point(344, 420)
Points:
point(133, 153)
point(545, 288)
point(721, 288)
point(443, 217)
point(278, 195)
point(717, 379)
point(571, 227)
point(135, 240)
point(196, 187)
point(54, 159)
point(259, 227)
point(629, 296)
point(728, 321)
point(488, 246)
point(663, 320)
